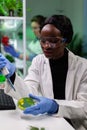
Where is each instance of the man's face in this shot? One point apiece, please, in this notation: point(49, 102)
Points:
point(52, 42)
point(36, 28)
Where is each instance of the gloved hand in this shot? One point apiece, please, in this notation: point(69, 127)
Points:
point(44, 105)
point(5, 63)
point(10, 49)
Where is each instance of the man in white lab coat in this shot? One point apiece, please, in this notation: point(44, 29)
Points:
point(57, 79)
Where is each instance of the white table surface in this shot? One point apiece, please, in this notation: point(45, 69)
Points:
point(14, 120)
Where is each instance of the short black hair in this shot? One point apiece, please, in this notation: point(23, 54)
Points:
point(62, 23)
point(39, 19)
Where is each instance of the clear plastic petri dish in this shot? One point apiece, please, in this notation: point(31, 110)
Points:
point(25, 102)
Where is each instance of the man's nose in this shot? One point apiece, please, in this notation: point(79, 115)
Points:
point(47, 44)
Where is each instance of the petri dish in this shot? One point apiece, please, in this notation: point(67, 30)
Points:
point(25, 102)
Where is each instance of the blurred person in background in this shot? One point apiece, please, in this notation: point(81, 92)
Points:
point(34, 47)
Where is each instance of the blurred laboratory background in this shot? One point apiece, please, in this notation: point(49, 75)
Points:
point(17, 26)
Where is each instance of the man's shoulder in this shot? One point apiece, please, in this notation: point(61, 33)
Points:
point(40, 58)
point(77, 59)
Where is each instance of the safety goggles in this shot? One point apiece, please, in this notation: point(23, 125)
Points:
point(53, 41)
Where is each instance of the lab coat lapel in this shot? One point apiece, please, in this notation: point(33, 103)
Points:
point(70, 77)
point(47, 85)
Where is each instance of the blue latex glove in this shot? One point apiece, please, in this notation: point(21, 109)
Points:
point(5, 63)
point(10, 49)
point(44, 105)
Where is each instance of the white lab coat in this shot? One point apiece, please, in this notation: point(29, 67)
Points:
point(39, 82)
